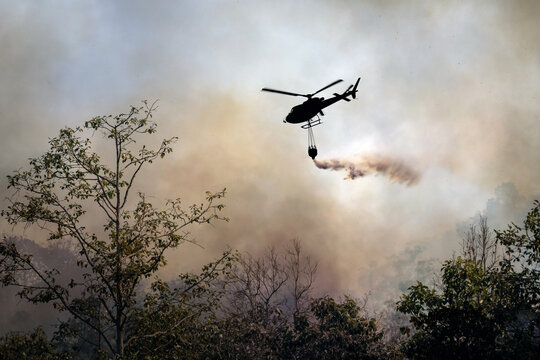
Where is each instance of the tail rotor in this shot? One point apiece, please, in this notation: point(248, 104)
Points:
point(354, 91)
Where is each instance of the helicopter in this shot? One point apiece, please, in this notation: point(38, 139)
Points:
point(312, 107)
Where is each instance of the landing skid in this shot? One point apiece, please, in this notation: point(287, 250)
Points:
point(311, 123)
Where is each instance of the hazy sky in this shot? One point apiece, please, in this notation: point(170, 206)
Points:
point(450, 88)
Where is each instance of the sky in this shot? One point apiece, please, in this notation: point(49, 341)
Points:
point(449, 89)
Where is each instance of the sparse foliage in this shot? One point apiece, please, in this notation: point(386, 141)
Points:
point(71, 182)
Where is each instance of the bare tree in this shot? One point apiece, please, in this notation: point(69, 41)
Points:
point(273, 281)
point(478, 244)
point(302, 271)
point(265, 297)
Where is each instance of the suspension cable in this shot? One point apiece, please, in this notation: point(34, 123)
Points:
point(311, 138)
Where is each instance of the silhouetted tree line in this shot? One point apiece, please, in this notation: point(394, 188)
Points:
point(237, 307)
point(486, 305)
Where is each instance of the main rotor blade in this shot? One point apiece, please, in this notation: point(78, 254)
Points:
point(327, 86)
point(282, 92)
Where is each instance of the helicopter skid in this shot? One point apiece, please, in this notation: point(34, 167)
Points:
point(311, 123)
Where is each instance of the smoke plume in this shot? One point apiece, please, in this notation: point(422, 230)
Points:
point(395, 170)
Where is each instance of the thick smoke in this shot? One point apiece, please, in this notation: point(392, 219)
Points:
point(395, 170)
point(469, 125)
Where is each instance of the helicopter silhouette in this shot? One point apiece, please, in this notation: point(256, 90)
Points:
point(312, 107)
